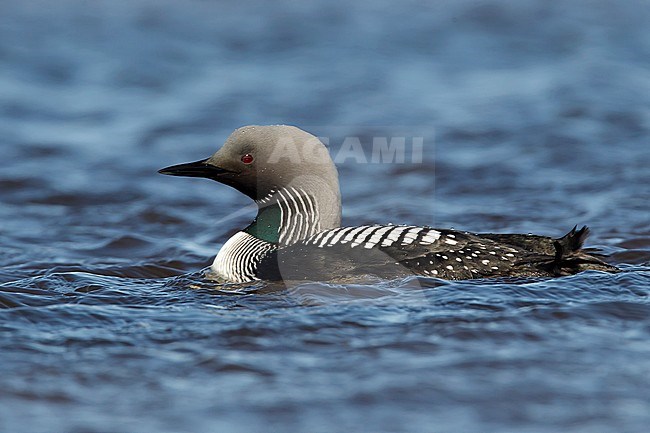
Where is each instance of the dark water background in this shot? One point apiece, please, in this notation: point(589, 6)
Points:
point(535, 117)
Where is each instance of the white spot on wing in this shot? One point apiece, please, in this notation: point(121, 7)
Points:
point(430, 237)
point(330, 234)
point(318, 237)
point(411, 235)
point(339, 235)
point(393, 236)
point(374, 239)
point(361, 236)
point(350, 236)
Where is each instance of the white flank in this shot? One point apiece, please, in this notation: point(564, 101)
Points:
point(239, 256)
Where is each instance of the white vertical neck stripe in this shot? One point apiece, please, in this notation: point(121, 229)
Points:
point(299, 217)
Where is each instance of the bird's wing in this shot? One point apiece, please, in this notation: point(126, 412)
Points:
point(390, 251)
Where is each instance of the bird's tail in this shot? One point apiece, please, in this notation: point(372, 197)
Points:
point(571, 242)
point(570, 258)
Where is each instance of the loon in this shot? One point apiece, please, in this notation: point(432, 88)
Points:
point(297, 233)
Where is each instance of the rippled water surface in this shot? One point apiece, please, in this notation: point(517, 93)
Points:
point(534, 115)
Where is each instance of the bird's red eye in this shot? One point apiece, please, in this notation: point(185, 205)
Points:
point(247, 159)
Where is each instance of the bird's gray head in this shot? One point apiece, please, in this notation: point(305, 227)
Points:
point(261, 161)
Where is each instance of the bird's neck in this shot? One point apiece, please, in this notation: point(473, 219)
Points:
point(266, 225)
point(288, 215)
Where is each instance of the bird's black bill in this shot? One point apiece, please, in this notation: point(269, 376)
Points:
point(194, 169)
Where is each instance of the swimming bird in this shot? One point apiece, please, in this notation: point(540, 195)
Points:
point(297, 233)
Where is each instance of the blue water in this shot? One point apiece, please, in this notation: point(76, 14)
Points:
point(534, 117)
